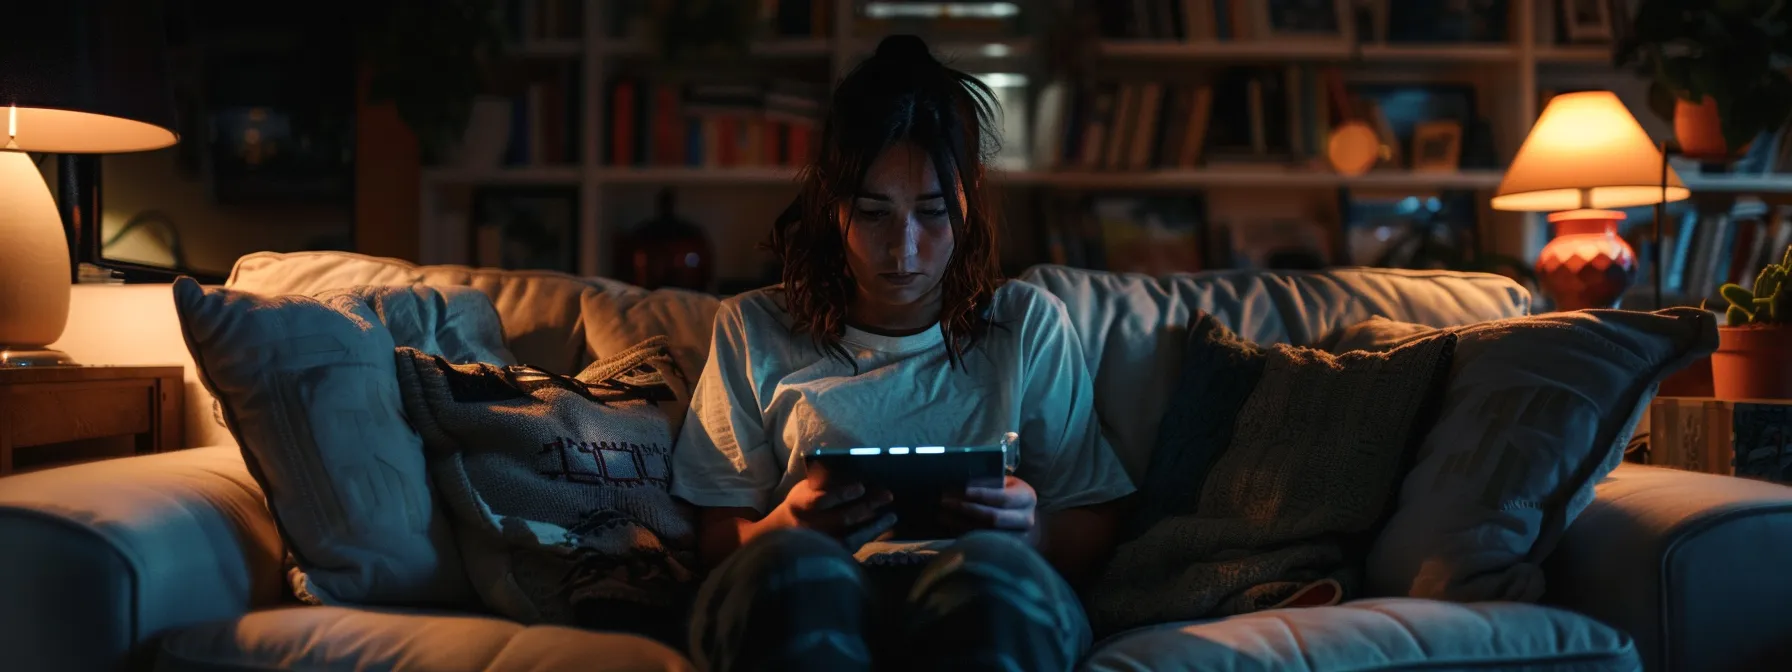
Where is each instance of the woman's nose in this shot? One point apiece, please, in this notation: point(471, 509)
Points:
point(907, 242)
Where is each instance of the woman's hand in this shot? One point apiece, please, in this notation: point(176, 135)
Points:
point(1010, 508)
point(847, 511)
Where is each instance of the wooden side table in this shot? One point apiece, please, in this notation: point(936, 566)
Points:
point(1751, 439)
point(51, 407)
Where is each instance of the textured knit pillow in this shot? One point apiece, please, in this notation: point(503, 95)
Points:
point(307, 386)
point(1272, 467)
point(1537, 411)
point(558, 485)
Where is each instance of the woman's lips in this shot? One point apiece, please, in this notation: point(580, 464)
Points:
point(900, 279)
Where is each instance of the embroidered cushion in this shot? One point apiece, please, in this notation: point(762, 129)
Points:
point(558, 486)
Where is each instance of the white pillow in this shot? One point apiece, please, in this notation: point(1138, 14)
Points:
point(309, 389)
point(1538, 409)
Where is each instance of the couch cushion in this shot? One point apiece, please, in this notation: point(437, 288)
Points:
point(1242, 508)
point(1133, 327)
point(1382, 634)
point(1537, 410)
point(310, 391)
point(340, 638)
point(552, 320)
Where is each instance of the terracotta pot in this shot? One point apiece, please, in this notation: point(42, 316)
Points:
point(1753, 362)
point(1701, 136)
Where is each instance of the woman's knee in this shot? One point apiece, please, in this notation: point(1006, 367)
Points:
point(789, 556)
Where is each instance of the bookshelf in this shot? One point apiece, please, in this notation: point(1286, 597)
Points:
point(1507, 77)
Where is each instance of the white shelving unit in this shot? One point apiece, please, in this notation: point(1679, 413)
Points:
point(1508, 77)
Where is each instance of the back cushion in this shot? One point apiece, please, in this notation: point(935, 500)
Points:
point(1133, 327)
point(554, 321)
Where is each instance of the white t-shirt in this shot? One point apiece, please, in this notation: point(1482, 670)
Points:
point(768, 393)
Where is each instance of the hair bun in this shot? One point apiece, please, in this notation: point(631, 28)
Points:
point(904, 48)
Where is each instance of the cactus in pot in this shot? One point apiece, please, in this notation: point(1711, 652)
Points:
point(1769, 303)
point(1754, 353)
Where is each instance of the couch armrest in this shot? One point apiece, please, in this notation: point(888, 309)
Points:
point(101, 557)
point(1696, 567)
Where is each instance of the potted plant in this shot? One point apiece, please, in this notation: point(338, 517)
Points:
point(1716, 69)
point(1754, 347)
point(433, 61)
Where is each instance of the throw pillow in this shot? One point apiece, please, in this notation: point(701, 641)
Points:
point(558, 485)
point(1537, 411)
point(1273, 465)
point(307, 387)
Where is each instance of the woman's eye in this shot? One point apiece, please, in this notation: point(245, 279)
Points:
point(937, 212)
point(872, 214)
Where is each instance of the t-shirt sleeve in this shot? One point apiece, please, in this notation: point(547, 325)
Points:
point(722, 459)
point(1063, 454)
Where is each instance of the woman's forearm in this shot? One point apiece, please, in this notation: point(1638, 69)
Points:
point(723, 531)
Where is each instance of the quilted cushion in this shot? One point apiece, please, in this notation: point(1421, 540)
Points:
point(1382, 634)
point(338, 638)
point(1133, 327)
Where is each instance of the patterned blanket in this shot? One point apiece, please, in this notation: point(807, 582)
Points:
point(558, 486)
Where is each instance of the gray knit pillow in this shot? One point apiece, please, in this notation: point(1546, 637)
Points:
point(557, 486)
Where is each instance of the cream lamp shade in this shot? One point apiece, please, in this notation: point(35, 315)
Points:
point(1586, 152)
point(76, 77)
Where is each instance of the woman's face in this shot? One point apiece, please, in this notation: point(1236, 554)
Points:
point(898, 240)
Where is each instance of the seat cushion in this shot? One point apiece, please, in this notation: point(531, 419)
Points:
point(341, 638)
point(1381, 634)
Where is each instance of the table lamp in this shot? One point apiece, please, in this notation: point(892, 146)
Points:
point(1586, 155)
point(85, 77)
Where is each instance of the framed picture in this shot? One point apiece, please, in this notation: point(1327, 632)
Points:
point(1436, 21)
point(1437, 146)
point(1306, 20)
point(1587, 20)
point(525, 228)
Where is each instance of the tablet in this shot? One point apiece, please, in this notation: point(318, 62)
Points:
point(917, 476)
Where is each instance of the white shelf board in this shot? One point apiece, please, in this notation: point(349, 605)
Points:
point(504, 175)
point(1300, 51)
point(959, 49)
point(781, 47)
point(1251, 176)
point(1738, 184)
point(682, 175)
point(1226, 176)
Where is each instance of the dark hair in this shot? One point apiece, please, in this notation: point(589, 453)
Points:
point(902, 93)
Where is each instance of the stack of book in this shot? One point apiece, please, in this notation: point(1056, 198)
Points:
point(720, 124)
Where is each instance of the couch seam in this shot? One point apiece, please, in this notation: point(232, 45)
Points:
point(1694, 528)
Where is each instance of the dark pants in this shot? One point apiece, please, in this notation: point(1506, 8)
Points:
point(796, 600)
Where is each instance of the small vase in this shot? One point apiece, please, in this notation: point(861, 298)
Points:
point(1586, 265)
point(665, 251)
point(1753, 362)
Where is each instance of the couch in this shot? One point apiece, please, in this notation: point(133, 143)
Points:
point(172, 561)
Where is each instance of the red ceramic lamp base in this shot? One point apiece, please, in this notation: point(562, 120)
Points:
point(1587, 265)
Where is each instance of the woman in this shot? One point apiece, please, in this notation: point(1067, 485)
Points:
point(893, 327)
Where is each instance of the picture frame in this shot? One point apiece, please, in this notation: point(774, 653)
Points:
point(1307, 21)
point(1587, 21)
point(1437, 146)
point(525, 228)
